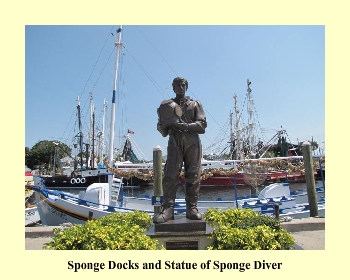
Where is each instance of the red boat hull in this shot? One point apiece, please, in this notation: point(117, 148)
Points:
point(218, 180)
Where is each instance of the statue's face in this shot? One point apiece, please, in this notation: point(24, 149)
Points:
point(180, 88)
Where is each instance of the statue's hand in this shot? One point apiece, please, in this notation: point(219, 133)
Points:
point(162, 129)
point(182, 126)
point(164, 133)
point(193, 127)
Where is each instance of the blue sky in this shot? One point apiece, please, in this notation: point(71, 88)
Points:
point(286, 65)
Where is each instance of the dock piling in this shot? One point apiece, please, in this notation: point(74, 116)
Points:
point(157, 171)
point(310, 179)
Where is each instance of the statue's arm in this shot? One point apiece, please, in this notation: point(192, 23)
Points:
point(200, 123)
point(164, 130)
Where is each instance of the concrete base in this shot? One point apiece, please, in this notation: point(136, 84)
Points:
point(181, 234)
point(306, 224)
point(181, 225)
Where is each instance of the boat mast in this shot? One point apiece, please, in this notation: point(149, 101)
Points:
point(237, 128)
point(251, 137)
point(93, 141)
point(80, 134)
point(119, 45)
point(231, 137)
point(92, 131)
point(103, 130)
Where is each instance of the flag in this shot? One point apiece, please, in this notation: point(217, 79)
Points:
point(131, 131)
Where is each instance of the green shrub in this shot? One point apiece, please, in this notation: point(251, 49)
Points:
point(244, 229)
point(113, 232)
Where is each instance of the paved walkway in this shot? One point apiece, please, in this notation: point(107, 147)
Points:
point(309, 240)
point(309, 234)
point(36, 243)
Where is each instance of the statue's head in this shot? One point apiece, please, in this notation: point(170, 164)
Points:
point(179, 80)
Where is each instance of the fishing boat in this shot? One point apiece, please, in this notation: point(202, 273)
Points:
point(28, 176)
point(31, 214)
point(135, 172)
point(80, 180)
point(216, 173)
point(101, 199)
point(247, 152)
point(81, 172)
point(321, 169)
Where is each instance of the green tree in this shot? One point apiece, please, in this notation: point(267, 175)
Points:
point(44, 151)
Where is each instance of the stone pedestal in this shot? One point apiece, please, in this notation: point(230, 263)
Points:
point(181, 225)
point(182, 234)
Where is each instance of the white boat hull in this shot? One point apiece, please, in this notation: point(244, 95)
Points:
point(61, 211)
point(56, 207)
point(31, 216)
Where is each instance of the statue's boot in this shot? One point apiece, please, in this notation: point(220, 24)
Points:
point(167, 211)
point(192, 212)
point(191, 191)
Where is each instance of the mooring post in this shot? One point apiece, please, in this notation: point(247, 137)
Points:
point(157, 175)
point(321, 171)
point(90, 215)
point(276, 207)
point(310, 178)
